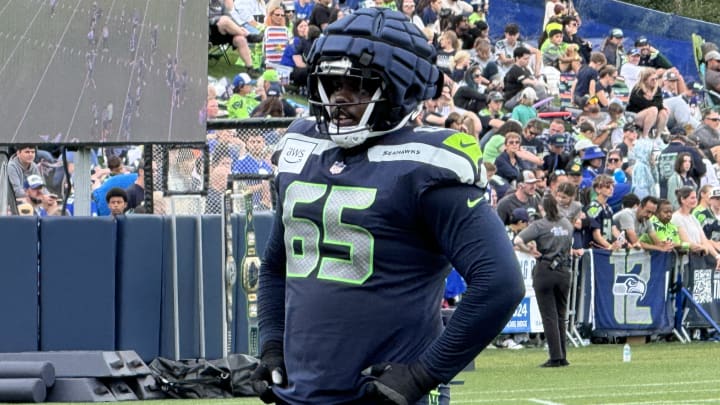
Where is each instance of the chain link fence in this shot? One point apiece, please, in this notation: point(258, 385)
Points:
point(191, 180)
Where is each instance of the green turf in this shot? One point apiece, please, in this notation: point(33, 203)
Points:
point(660, 373)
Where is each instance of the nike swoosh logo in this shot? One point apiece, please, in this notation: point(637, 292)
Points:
point(472, 203)
point(466, 145)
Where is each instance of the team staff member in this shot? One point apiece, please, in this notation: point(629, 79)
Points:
point(551, 276)
point(368, 225)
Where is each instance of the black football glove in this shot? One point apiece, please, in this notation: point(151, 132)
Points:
point(270, 372)
point(400, 384)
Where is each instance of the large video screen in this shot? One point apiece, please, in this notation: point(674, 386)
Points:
point(103, 71)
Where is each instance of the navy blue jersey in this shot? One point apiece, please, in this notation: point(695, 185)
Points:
point(359, 253)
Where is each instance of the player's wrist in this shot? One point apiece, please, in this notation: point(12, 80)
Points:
point(422, 377)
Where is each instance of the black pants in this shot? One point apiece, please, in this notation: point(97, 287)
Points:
point(551, 290)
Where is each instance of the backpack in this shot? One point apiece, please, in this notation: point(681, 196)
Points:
point(200, 378)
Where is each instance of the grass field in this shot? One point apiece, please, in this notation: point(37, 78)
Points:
point(660, 373)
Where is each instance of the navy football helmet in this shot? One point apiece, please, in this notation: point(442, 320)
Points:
point(379, 55)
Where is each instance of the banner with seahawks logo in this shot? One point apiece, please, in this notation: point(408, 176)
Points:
point(630, 293)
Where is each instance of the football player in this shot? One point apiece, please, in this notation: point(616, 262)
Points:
point(372, 215)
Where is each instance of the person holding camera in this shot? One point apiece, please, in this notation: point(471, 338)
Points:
point(551, 276)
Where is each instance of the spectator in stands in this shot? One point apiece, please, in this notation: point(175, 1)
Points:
point(712, 73)
point(483, 57)
point(220, 168)
point(303, 9)
point(643, 174)
point(602, 232)
point(604, 86)
point(556, 159)
point(457, 7)
point(612, 48)
point(519, 220)
point(242, 102)
point(460, 63)
point(531, 142)
point(634, 218)
point(586, 80)
point(20, 166)
point(663, 235)
point(461, 27)
point(650, 56)
point(568, 205)
point(116, 199)
point(673, 92)
point(448, 45)
point(707, 134)
point(212, 108)
point(668, 156)
point(294, 54)
point(707, 212)
point(429, 10)
point(136, 191)
point(647, 103)
point(592, 165)
point(506, 55)
point(541, 186)
point(320, 16)
point(497, 186)
point(571, 24)
point(519, 77)
point(275, 14)
point(33, 194)
point(630, 70)
point(224, 28)
point(630, 136)
point(523, 197)
point(509, 163)
point(408, 8)
point(493, 116)
point(492, 144)
point(555, 53)
point(689, 229)
point(470, 93)
point(681, 178)
point(524, 110)
point(249, 14)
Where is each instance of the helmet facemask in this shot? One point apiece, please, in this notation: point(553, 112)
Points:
point(342, 92)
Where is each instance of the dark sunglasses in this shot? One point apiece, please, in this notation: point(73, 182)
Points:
point(513, 143)
point(613, 160)
point(713, 119)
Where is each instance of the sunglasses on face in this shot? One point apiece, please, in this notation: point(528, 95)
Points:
point(613, 160)
point(716, 119)
point(512, 143)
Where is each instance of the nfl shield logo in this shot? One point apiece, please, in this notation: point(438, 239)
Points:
point(337, 168)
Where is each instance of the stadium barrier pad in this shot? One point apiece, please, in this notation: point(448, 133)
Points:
point(77, 278)
point(19, 284)
point(22, 390)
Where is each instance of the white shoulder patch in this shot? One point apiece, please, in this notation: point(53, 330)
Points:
point(296, 149)
point(424, 153)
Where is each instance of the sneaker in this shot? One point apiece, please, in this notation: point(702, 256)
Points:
point(555, 363)
point(511, 344)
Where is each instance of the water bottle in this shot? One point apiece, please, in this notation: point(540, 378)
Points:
point(627, 354)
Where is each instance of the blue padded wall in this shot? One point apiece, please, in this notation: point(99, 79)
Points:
point(139, 284)
point(187, 291)
point(263, 226)
point(19, 284)
point(77, 297)
point(213, 265)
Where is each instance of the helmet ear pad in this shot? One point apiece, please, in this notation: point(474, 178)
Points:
point(383, 43)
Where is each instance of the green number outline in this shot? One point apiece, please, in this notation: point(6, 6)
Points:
point(361, 243)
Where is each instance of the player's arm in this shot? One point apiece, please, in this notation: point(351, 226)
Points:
point(468, 234)
point(271, 315)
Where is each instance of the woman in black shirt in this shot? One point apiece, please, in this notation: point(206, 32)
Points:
point(647, 102)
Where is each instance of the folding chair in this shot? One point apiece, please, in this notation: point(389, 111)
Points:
point(218, 44)
point(275, 41)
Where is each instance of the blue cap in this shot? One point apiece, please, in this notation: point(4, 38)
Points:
point(275, 89)
point(519, 215)
point(593, 152)
point(242, 79)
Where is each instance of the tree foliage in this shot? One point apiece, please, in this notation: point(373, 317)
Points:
point(703, 10)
